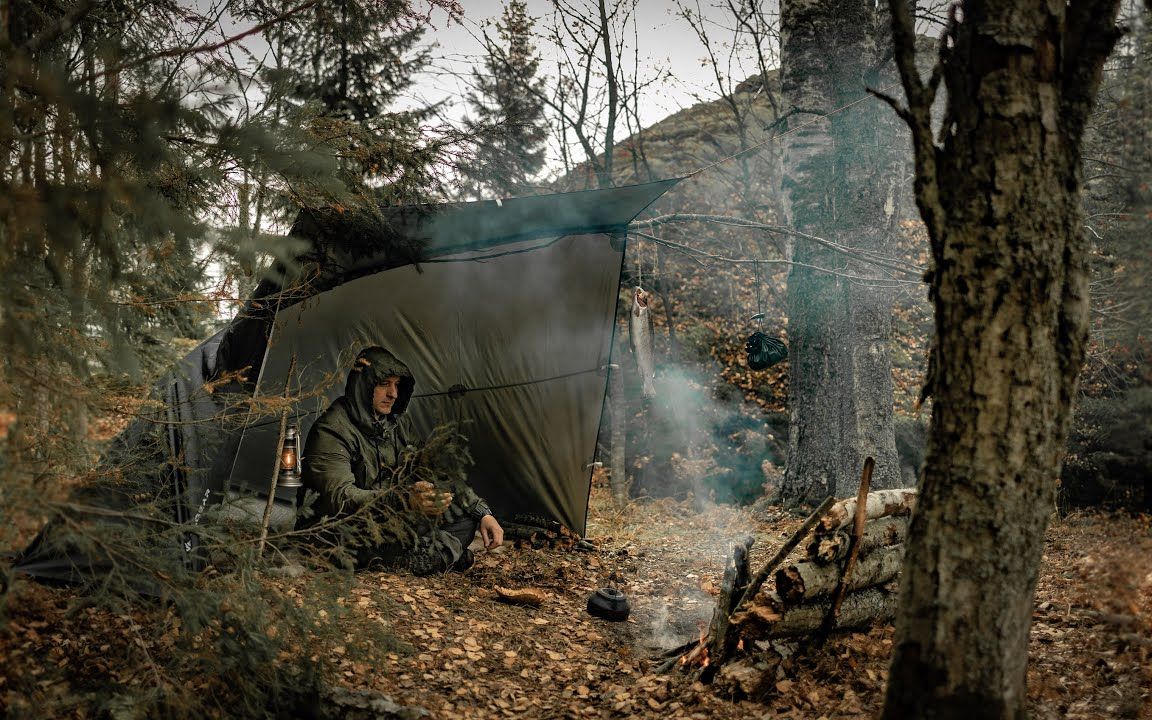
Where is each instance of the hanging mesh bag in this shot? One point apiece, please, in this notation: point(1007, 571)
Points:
point(764, 351)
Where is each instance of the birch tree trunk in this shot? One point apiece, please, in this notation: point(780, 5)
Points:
point(838, 185)
point(1009, 285)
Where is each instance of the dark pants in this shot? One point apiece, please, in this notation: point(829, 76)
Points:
point(449, 540)
point(463, 530)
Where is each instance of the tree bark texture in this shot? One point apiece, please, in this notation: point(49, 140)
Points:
point(1009, 285)
point(805, 581)
point(839, 185)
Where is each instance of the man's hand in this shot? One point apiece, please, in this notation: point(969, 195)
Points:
point(490, 532)
point(425, 499)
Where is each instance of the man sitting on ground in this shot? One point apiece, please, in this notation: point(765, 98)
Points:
point(351, 458)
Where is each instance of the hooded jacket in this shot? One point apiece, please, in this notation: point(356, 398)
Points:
point(350, 453)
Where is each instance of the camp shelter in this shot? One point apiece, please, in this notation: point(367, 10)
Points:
point(504, 310)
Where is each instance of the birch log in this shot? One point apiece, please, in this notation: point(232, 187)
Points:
point(859, 609)
point(805, 581)
point(882, 503)
point(885, 532)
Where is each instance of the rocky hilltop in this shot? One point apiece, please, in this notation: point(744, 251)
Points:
point(699, 137)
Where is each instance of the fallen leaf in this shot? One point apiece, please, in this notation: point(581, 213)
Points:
point(533, 597)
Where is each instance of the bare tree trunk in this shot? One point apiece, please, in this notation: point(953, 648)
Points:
point(613, 108)
point(666, 285)
point(839, 328)
point(1010, 293)
point(617, 468)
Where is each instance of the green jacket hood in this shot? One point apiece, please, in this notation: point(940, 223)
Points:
point(371, 367)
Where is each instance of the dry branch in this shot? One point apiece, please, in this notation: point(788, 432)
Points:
point(885, 532)
point(736, 576)
point(805, 581)
point(758, 581)
point(742, 611)
point(882, 503)
point(859, 517)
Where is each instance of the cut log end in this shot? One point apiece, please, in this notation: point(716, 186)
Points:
point(880, 533)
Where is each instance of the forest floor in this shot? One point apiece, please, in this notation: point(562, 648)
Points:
point(458, 652)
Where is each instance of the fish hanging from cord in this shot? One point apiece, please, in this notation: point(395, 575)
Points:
point(640, 334)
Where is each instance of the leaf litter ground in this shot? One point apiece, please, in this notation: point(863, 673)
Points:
point(451, 646)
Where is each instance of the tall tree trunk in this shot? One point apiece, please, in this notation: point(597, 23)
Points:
point(1009, 284)
point(839, 329)
point(606, 179)
point(618, 406)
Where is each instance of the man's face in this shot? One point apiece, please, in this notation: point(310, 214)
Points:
point(385, 395)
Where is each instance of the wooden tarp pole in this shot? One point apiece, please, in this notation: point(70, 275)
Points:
point(276, 471)
point(853, 549)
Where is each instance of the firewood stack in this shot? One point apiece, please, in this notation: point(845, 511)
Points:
point(806, 589)
point(845, 579)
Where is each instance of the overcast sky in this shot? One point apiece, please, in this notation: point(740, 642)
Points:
point(666, 42)
point(666, 47)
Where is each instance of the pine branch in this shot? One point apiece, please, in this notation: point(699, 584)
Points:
point(60, 27)
point(198, 49)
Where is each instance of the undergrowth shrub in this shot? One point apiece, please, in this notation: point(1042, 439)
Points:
point(1109, 460)
point(911, 441)
point(227, 626)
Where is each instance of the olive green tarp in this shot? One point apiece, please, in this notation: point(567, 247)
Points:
point(507, 325)
point(505, 311)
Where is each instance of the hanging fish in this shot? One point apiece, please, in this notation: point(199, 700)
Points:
point(640, 334)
